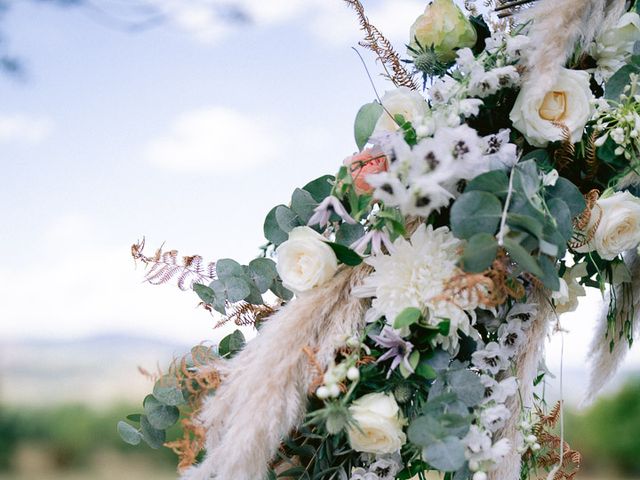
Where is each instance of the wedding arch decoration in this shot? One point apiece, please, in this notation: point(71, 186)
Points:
point(402, 304)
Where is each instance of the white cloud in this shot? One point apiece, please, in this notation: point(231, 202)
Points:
point(24, 128)
point(215, 139)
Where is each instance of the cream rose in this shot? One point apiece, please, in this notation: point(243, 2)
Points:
point(567, 103)
point(378, 426)
point(402, 101)
point(443, 27)
point(305, 260)
point(619, 227)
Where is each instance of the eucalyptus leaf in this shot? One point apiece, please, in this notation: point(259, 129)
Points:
point(167, 390)
point(205, 293)
point(227, 268)
point(549, 276)
point(348, 234)
point(263, 272)
point(320, 188)
point(467, 386)
point(365, 123)
point(479, 253)
point(154, 437)
point(525, 223)
point(495, 182)
point(562, 216)
point(446, 455)
point(237, 289)
point(272, 230)
point(426, 430)
point(522, 257)
point(129, 434)
point(475, 212)
point(569, 194)
point(616, 84)
point(287, 219)
point(303, 205)
point(231, 344)
point(160, 416)
point(280, 291)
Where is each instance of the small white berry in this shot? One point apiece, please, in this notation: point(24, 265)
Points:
point(474, 465)
point(353, 374)
point(531, 439)
point(322, 393)
point(334, 391)
point(479, 476)
point(535, 447)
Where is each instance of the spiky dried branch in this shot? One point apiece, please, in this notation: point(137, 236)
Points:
point(566, 152)
point(584, 225)
point(165, 266)
point(591, 157)
point(382, 47)
point(245, 314)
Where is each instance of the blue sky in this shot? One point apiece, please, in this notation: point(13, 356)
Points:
point(187, 133)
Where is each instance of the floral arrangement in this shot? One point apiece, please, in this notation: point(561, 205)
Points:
point(402, 305)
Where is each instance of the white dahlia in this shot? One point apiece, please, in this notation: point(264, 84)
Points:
point(415, 275)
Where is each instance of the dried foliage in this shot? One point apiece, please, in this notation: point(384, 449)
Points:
point(167, 266)
point(200, 378)
point(550, 442)
point(566, 152)
point(318, 378)
point(245, 314)
point(591, 157)
point(585, 225)
point(378, 44)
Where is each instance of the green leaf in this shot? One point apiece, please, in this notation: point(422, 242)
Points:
point(479, 253)
point(303, 205)
point(227, 268)
point(540, 156)
point(348, 234)
point(446, 455)
point(220, 295)
point(475, 212)
point(365, 123)
point(205, 293)
point(154, 437)
point(615, 86)
point(444, 327)
point(231, 344)
point(549, 276)
point(129, 434)
point(525, 223)
point(287, 219)
point(426, 430)
point(495, 182)
point(160, 416)
point(280, 291)
point(167, 390)
point(467, 386)
point(407, 317)
point(237, 289)
point(522, 257)
point(272, 230)
point(562, 216)
point(569, 194)
point(134, 417)
point(426, 371)
point(526, 179)
point(262, 272)
point(320, 188)
point(414, 360)
point(345, 254)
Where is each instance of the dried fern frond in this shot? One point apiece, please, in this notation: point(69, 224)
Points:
point(381, 46)
point(550, 442)
point(166, 266)
point(245, 314)
point(318, 378)
point(566, 153)
point(591, 158)
point(507, 8)
point(584, 224)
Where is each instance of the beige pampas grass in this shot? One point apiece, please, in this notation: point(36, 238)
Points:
point(557, 26)
point(526, 367)
point(604, 361)
point(265, 393)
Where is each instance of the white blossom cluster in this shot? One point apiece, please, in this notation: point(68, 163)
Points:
point(427, 177)
point(493, 362)
point(620, 121)
point(380, 467)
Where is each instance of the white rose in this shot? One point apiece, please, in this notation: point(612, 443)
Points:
point(567, 298)
point(402, 101)
point(614, 46)
point(619, 227)
point(568, 103)
point(305, 260)
point(378, 426)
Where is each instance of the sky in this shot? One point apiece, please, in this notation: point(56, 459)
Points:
point(187, 134)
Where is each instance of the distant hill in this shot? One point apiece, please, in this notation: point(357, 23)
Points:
point(98, 370)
